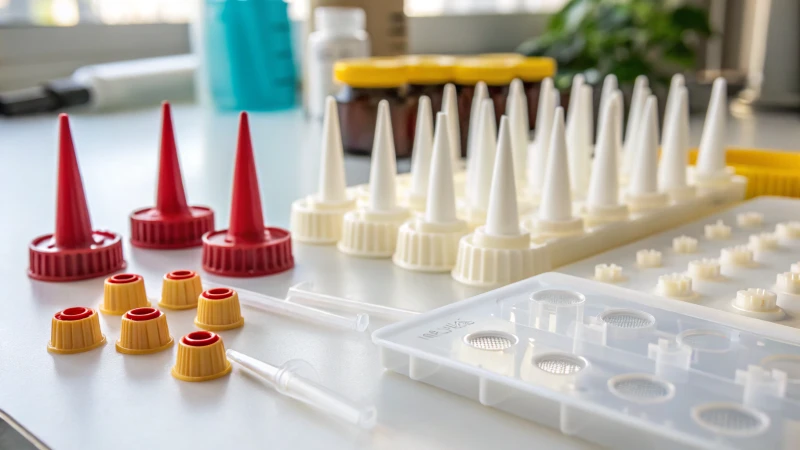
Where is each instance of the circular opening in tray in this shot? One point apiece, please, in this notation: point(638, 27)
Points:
point(711, 341)
point(641, 388)
point(491, 340)
point(730, 419)
point(558, 297)
point(558, 363)
point(627, 318)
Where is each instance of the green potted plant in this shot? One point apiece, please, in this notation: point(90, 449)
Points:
point(626, 38)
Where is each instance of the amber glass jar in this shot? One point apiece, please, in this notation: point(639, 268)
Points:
point(496, 71)
point(364, 83)
point(532, 71)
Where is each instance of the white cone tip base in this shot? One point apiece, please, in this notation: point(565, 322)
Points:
point(369, 235)
point(312, 223)
point(428, 248)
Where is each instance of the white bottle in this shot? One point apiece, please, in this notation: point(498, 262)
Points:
point(339, 34)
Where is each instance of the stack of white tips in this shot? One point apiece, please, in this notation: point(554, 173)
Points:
point(675, 149)
point(371, 231)
point(739, 255)
point(717, 231)
point(608, 273)
point(750, 219)
point(538, 149)
point(579, 142)
point(450, 107)
point(481, 167)
point(648, 258)
point(759, 303)
point(711, 172)
point(430, 243)
point(788, 282)
point(602, 204)
point(675, 285)
point(763, 241)
point(684, 244)
point(554, 218)
point(499, 252)
point(643, 194)
point(640, 93)
point(473, 133)
point(421, 157)
point(704, 269)
point(317, 218)
point(788, 230)
point(517, 106)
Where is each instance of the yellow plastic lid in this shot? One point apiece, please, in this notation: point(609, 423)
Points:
point(534, 68)
point(430, 69)
point(371, 72)
point(495, 71)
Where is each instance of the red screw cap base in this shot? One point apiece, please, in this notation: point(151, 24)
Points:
point(74, 251)
point(150, 228)
point(229, 258)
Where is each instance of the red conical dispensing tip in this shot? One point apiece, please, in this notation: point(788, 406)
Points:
point(73, 225)
point(247, 248)
point(74, 251)
point(247, 219)
point(171, 223)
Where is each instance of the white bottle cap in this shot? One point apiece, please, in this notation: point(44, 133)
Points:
point(317, 219)
point(675, 285)
point(648, 258)
point(608, 273)
point(430, 243)
point(329, 18)
point(421, 156)
point(643, 193)
point(705, 269)
point(759, 303)
point(602, 201)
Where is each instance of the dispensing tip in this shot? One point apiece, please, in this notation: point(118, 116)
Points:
point(450, 107)
point(74, 251)
point(383, 169)
point(421, 155)
point(579, 140)
point(482, 166)
point(604, 181)
point(441, 195)
point(556, 198)
point(172, 223)
point(711, 154)
point(638, 98)
point(537, 158)
point(644, 175)
point(675, 152)
point(502, 217)
point(473, 139)
point(247, 248)
point(332, 184)
point(517, 105)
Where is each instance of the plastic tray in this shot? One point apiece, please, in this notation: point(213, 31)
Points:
point(608, 365)
point(718, 293)
point(768, 172)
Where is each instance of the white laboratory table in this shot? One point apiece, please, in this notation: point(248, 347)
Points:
point(102, 399)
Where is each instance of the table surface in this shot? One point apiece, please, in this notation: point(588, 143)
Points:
point(101, 398)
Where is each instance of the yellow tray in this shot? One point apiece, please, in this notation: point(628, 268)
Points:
point(768, 172)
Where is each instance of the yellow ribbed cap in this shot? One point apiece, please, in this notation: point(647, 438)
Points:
point(201, 357)
point(143, 331)
point(218, 309)
point(180, 290)
point(371, 72)
point(122, 293)
point(75, 330)
point(491, 70)
point(534, 68)
point(430, 69)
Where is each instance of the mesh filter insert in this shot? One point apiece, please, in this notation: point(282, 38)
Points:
point(731, 419)
point(558, 297)
point(560, 363)
point(627, 319)
point(641, 388)
point(705, 340)
point(491, 340)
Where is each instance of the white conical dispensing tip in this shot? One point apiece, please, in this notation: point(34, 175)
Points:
point(441, 205)
point(537, 157)
point(644, 173)
point(518, 116)
point(450, 107)
point(481, 93)
point(421, 152)
point(556, 196)
point(332, 185)
point(677, 82)
point(604, 181)
point(674, 151)
point(502, 218)
point(574, 96)
point(610, 86)
point(637, 103)
point(711, 154)
point(579, 140)
point(635, 117)
point(382, 195)
point(482, 166)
